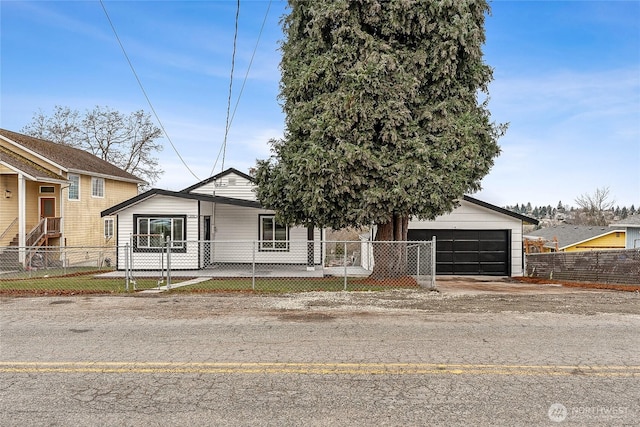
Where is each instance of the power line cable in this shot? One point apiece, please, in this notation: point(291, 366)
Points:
point(264, 20)
point(233, 61)
point(235, 108)
point(145, 93)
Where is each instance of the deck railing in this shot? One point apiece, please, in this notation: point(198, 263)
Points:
point(11, 229)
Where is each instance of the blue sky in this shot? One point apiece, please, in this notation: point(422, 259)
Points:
point(566, 78)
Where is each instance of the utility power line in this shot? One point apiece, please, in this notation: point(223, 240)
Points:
point(233, 62)
point(244, 81)
point(145, 93)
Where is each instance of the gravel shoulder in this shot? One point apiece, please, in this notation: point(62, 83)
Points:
point(453, 295)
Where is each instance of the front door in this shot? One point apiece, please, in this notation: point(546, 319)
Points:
point(207, 241)
point(47, 207)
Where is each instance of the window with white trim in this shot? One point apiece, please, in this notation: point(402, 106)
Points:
point(151, 232)
point(108, 228)
point(273, 236)
point(74, 187)
point(97, 187)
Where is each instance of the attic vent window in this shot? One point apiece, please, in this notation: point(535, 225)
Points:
point(47, 190)
point(232, 180)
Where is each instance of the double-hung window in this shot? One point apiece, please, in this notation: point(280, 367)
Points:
point(74, 187)
point(108, 228)
point(273, 236)
point(97, 187)
point(151, 232)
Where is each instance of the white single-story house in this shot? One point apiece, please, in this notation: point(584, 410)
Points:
point(216, 221)
point(476, 238)
point(219, 221)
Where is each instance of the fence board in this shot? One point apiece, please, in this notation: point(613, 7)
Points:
point(615, 266)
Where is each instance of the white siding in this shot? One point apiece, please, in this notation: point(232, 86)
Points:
point(234, 231)
point(235, 223)
point(242, 188)
point(159, 205)
point(469, 216)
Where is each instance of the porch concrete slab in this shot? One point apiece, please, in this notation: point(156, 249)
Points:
point(260, 271)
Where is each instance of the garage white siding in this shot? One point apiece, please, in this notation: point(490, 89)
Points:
point(470, 216)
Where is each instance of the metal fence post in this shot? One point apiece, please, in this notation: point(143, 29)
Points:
point(344, 261)
point(253, 265)
point(126, 267)
point(433, 262)
point(169, 263)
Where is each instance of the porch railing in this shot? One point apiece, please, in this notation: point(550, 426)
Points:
point(46, 226)
point(11, 229)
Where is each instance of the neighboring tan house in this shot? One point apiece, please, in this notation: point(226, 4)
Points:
point(575, 238)
point(631, 225)
point(52, 194)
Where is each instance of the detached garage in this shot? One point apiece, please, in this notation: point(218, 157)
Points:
point(477, 238)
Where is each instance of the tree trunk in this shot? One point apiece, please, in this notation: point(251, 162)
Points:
point(390, 257)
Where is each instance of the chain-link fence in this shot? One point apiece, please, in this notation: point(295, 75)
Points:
point(611, 266)
point(148, 263)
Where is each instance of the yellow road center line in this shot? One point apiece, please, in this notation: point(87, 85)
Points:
point(314, 368)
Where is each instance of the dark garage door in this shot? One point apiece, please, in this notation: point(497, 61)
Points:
point(473, 252)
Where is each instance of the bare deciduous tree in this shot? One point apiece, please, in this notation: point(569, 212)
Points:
point(127, 141)
point(593, 207)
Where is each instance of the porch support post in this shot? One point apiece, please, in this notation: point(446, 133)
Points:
point(310, 249)
point(22, 218)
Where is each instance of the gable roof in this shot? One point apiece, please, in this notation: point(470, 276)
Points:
point(179, 194)
point(68, 158)
point(570, 235)
point(503, 211)
point(31, 169)
point(217, 176)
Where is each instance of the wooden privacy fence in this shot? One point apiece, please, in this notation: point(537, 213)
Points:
point(615, 266)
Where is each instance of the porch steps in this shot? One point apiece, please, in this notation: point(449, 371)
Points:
point(161, 289)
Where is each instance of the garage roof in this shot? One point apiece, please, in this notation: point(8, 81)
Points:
point(507, 212)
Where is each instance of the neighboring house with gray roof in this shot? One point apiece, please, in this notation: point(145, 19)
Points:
point(52, 194)
point(573, 238)
point(631, 225)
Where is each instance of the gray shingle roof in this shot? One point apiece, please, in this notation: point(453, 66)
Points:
point(569, 235)
point(630, 221)
point(28, 167)
point(68, 157)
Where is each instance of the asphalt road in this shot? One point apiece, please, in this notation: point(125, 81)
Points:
point(400, 358)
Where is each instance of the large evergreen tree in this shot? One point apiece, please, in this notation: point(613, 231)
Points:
point(384, 116)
